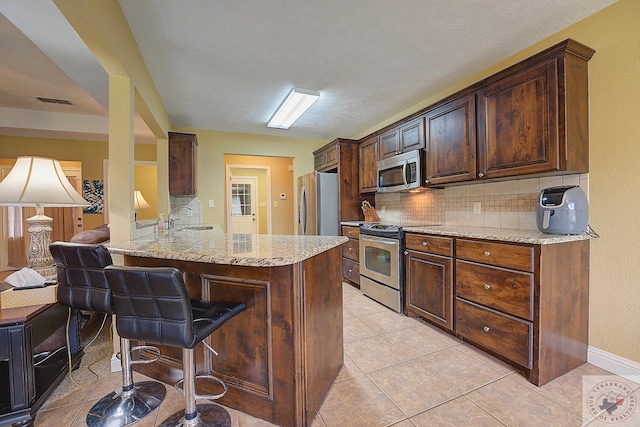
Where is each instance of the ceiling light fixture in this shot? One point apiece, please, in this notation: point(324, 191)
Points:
point(296, 103)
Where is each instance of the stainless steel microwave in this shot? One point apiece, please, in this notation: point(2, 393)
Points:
point(402, 172)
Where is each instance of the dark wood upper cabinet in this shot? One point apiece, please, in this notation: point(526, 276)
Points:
point(451, 142)
point(368, 174)
point(411, 135)
point(328, 157)
point(388, 144)
point(536, 120)
point(529, 119)
point(182, 164)
point(341, 156)
point(407, 137)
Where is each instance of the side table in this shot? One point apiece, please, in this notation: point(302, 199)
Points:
point(33, 358)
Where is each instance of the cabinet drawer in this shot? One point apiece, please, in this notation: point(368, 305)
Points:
point(505, 290)
point(504, 335)
point(500, 254)
point(432, 244)
point(351, 250)
point(351, 270)
point(351, 232)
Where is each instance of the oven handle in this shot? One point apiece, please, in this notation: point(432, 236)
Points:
point(383, 240)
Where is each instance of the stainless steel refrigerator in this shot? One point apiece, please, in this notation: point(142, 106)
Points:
point(318, 204)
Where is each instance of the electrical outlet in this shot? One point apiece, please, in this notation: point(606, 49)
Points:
point(382, 209)
point(477, 208)
point(275, 204)
point(189, 212)
point(211, 203)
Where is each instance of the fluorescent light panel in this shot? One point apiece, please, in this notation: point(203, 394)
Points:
point(296, 103)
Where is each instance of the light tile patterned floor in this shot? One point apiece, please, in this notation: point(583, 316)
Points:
point(401, 371)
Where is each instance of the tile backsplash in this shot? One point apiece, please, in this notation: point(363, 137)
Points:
point(504, 204)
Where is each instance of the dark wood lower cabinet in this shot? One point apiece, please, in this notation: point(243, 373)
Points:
point(533, 314)
point(527, 304)
point(281, 355)
point(33, 358)
point(429, 291)
point(429, 278)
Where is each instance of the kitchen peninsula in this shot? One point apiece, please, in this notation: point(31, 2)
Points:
point(282, 354)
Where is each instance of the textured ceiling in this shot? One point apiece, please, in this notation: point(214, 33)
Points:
point(227, 65)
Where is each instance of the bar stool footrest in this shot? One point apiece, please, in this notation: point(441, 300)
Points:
point(206, 396)
point(152, 348)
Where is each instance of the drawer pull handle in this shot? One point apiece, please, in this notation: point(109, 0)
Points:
point(487, 253)
point(487, 286)
point(486, 329)
point(425, 243)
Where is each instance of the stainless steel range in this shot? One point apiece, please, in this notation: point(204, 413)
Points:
point(381, 264)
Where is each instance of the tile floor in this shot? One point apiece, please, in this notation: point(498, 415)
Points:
point(399, 371)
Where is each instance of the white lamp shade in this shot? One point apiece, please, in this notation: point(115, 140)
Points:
point(296, 103)
point(139, 202)
point(38, 181)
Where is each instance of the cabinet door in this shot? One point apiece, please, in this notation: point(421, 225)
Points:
point(326, 159)
point(368, 154)
point(319, 161)
point(388, 144)
point(412, 135)
point(429, 287)
point(451, 142)
point(182, 164)
point(518, 124)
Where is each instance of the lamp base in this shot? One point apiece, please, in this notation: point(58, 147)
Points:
point(40, 258)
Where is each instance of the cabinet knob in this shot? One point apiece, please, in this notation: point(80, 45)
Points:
point(350, 271)
point(425, 243)
point(486, 329)
point(487, 286)
point(481, 174)
point(426, 181)
point(406, 252)
point(487, 253)
point(350, 249)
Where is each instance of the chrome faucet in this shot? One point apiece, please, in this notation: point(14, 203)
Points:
point(171, 222)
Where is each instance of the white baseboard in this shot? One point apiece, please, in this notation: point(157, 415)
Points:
point(615, 364)
point(116, 366)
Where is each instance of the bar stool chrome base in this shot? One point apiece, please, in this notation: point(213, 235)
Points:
point(209, 415)
point(117, 410)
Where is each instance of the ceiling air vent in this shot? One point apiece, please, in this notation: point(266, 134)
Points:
point(54, 101)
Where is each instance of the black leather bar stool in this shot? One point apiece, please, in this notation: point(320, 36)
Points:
point(82, 285)
point(152, 305)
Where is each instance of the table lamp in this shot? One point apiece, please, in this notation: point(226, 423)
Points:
point(39, 182)
point(139, 203)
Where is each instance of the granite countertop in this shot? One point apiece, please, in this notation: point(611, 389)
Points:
point(253, 250)
point(503, 234)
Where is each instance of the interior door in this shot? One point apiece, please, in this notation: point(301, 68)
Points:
point(243, 205)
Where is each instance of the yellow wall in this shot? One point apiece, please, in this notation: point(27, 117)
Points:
point(90, 153)
point(614, 179)
point(282, 181)
point(213, 145)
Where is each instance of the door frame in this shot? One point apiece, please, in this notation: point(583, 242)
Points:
point(227, 178)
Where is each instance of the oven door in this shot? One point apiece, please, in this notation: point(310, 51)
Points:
point(380, 260)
